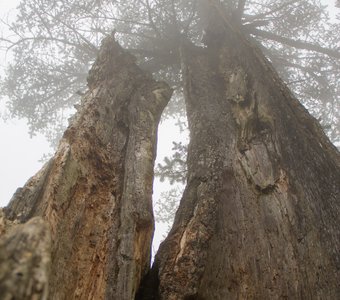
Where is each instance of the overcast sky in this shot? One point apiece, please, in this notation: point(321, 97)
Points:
point(19, 154)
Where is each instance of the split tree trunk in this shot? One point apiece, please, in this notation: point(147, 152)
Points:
point(260, 215)
point(87, 215)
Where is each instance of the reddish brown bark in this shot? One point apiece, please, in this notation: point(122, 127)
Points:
point(95, 194)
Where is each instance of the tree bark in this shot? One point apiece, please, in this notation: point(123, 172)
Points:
point(25, 260)
point(260, 215)
point(92, 201)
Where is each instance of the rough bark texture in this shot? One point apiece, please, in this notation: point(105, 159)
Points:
point(24, 259)
point(95, 194)
point(259, 218)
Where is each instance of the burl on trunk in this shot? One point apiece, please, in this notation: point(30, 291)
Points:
point(88, 212)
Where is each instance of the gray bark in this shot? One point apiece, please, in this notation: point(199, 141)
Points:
point(24, 259)
point(259, 218)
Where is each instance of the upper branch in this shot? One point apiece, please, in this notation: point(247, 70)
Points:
point(294, 43)
point(240, 9)
point(250, 18)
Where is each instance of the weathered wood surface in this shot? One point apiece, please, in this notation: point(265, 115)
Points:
point(260, 215)
point(95, 193)
point(259, 218)
point(25, 259)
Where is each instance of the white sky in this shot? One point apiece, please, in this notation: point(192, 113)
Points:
point(19, 154)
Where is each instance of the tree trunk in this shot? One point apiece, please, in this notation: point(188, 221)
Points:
point(93, 199)
point(260, 215)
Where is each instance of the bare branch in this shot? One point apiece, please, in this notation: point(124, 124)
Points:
point(77, 33)
point(249, 18)
point(294, 43)
point(191, 18)
point(37, 38)
point(152, 23)
point(240, 9)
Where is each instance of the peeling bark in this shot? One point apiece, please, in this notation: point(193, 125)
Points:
point(259, 218)
point(95, 193)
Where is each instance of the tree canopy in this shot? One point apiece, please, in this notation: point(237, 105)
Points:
point(55, 42)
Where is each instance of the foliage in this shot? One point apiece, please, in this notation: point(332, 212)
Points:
point(54, 43)
point(166, 206)
point(174, 168)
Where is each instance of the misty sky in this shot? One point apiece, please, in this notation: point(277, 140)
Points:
point(19, 154)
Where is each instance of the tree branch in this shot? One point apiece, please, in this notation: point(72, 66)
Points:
point(152, 23)
point(190, 19)
point(37, 38)
point(250, 18)
point(293, 43)
point(240, 9)
point(79, 36)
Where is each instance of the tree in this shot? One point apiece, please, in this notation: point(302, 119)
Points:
point(87, 215)
point(260, 212)
point(259, 216)
point(296, 36)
